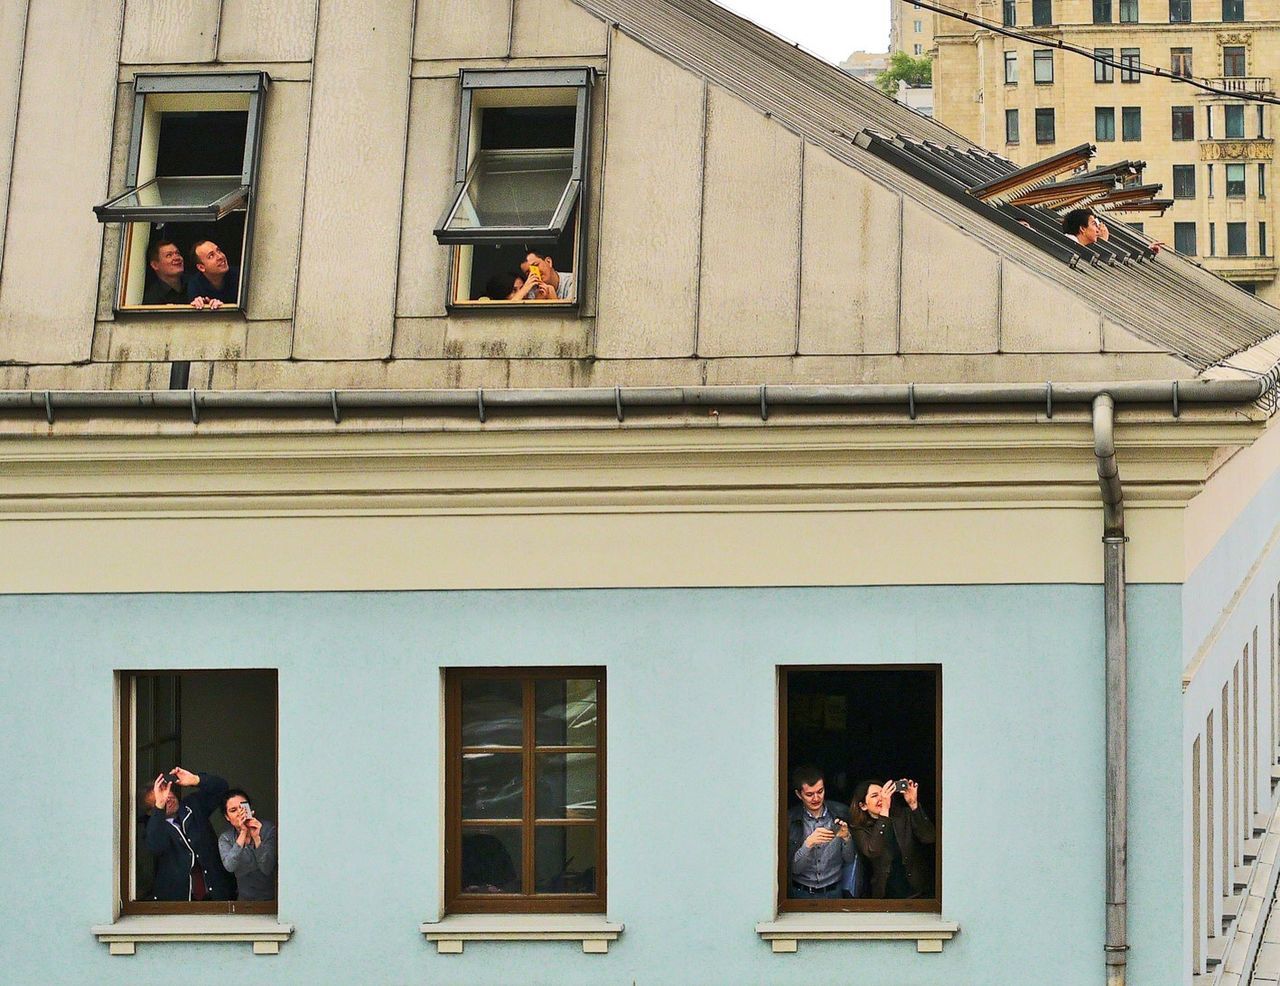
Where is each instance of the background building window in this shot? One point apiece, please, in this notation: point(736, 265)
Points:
point(1262, 181)
point(1130, 59)
point(1010, 8)
point(1234, 124)
point(1237, 240)
point(525, 813)
point(1104, 123)
point(1209, 172)
point(520, 166)
point(1103, 72)
point(1184, 238)
point(1262, 122)
point(1180, 61)
point(1042, 65)
point(1184, 123)
point(1128, 11)
point(1102, 11)
point(190, 176)
point(860, 724)
point(1011, 67)
point(1179, 11)
point(1011, 132)
point(1131, 122)
point(1233, 10)
point(1045, 129)
point(1234, 62)
point(1235, 181)
point(1213, 239)
point(1184, 181)
point(220, 725)
point(1262, 239)
point(1041, 13)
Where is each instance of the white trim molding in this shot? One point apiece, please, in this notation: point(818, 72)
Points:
point(264, 931)
point(595, 931)
point(929, 931)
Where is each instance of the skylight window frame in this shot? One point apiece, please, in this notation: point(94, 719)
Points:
point(474, 81)
point(254, 85)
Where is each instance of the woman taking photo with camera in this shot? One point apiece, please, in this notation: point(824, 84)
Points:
point(891, 836)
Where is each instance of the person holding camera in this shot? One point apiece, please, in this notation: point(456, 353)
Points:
point(818, 839)
point(178, 834)
point(248, 848)
point(890, 836)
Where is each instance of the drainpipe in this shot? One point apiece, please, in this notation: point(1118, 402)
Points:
point(1117, 660)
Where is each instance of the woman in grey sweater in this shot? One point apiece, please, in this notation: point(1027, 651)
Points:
point(248, 848)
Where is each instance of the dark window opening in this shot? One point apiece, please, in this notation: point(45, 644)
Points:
point(1128, 11)
point(1179, 11)
point(1184, 123)
point(1104, 123)
point(1011, 129)
point(1045, 127)
point(1184, 238)
point(1234, 62)
point(1233, 10)
point(1184, 181)
point(219, 726)
point(1237, 240)
point(1131, 122)
point(1180, 62)
point(1234, 126)
point(1010, 13)
point(858, 726)
point(1102, 11)
point(1041, 13)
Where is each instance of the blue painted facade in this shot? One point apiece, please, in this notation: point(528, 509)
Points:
point(692, 772)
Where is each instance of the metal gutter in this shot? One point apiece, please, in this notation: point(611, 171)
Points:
point(618, 399)
point(1117, 693)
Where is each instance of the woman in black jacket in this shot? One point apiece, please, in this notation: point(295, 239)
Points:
point(891, 835)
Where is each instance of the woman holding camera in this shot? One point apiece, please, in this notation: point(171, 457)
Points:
point(891, 836)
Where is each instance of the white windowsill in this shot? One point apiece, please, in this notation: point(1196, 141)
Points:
point(929, 931)
point(263, 930)
point(595, 931)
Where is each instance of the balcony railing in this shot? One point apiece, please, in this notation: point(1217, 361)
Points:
point(1242, 84)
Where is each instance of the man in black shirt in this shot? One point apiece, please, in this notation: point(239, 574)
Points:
point(170, 284)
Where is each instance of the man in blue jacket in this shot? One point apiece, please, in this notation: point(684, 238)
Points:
point(179, 835)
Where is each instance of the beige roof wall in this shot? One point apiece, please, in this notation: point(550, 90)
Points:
point(734, 234)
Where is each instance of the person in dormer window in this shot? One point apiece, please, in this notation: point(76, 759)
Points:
point(216, 282)
point(1084, 227)
point(542, 269)
point(170, 284)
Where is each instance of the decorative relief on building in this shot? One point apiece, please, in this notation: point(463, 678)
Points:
point(1236, 150)
point(1236, 39)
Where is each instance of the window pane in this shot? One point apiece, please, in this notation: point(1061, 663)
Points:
point(1131, 58)
point(179, 192)
point(1011, 134)
point(1104, 123)
point(1179, 11)
point(1103, 72)
point(1184, 181)
point(1233, 61)
point(1041, 12)
point(1042, 62)
point(491, 859)
point(1236, 240)
point(564, 859)
point(1102, 11)
point(1180, 61)
point(1045, 131)
point(566, 712)
point(520, 189)
point(1184, 123)
point(566, 785)
point(1235, 121)
point(1010, 13)
point(492, 785)
point(1233, 10)
point(1131, 121)
point(1184, 238)
point(1011, 66)
point(1128, 11)
point(492, 713)
point(1235, 181)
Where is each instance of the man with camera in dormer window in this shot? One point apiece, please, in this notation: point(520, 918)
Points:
point(562, 287)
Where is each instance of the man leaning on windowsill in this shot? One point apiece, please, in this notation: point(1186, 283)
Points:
point(819, 843)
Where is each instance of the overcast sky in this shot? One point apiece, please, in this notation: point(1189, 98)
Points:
point(828, 28)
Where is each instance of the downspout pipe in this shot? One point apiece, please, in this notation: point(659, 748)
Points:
point(1117, 698)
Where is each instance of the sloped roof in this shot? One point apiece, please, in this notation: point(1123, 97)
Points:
point(1169, 302)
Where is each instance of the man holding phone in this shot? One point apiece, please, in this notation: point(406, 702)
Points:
point(819, 843)
point(248, 848)
point(178, 834)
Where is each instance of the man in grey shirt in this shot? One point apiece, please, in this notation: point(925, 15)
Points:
point(561, 286)
point(248, 848)
point(819, 843)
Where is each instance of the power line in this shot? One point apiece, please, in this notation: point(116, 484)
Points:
point(1132, 67)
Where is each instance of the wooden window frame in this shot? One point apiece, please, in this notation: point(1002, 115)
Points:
point(932, 905)
point(128, 818)
point(457, 902)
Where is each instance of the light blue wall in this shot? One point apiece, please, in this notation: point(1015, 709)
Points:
point(692, 768)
